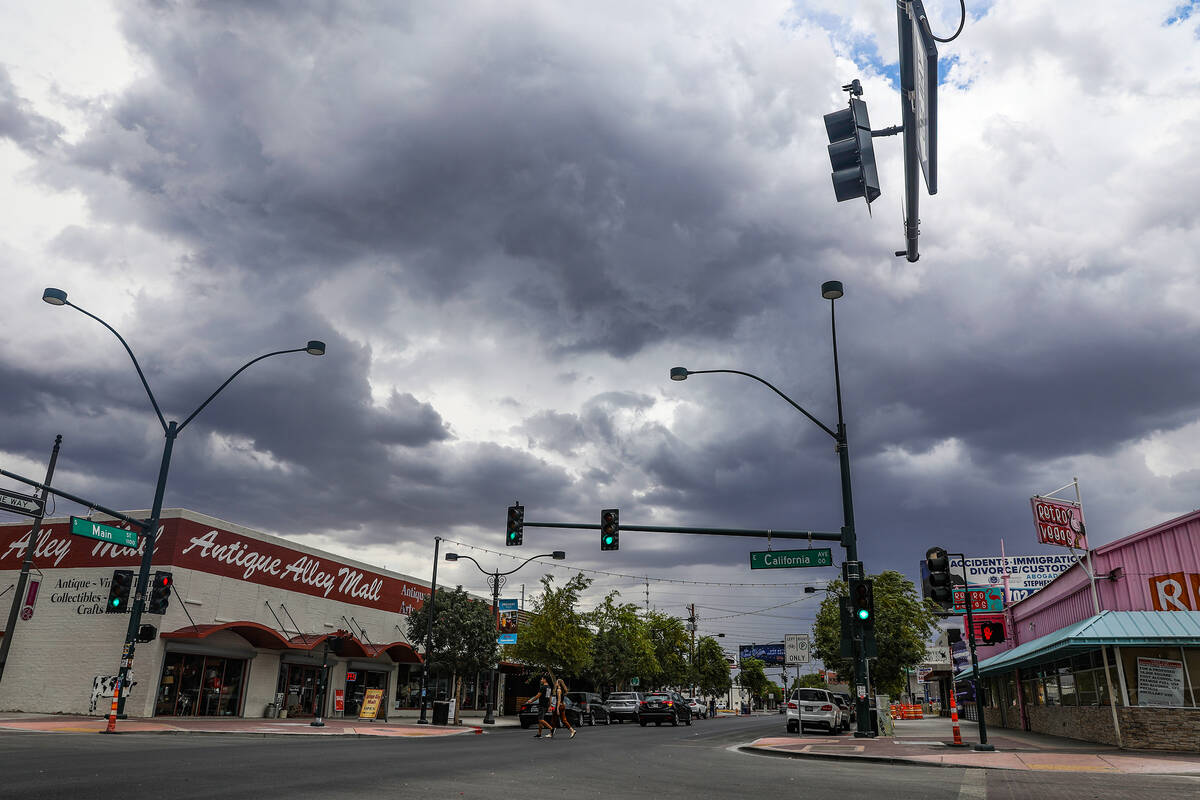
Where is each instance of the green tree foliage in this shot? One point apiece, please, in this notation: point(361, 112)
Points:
point(753, 678)
point(464, 635)
point(671, 643)
point(903, 626)
point(711, 670)
point(621, 647)
point(555, 638)
point(811, 680)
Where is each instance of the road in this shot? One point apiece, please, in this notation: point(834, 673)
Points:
point(603, 762)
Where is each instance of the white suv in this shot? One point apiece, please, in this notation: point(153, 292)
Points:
point(813, 707)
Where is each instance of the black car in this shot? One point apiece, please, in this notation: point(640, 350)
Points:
point(849, 703)
point(528, 714)
point(591, 707)
point(660, 707)
point(847, 709)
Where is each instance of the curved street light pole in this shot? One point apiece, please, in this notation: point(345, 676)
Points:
point(831, 291)
point(495, 582)
point(171, 430)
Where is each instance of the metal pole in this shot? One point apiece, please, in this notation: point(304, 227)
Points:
point(1091, 576)
point(494, 579)
point(983, 745)
point(908, 118)
point(149, 533)
point(437, 541)
point(27, 564)
point(317, 721)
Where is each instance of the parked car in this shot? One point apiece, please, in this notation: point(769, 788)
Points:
point(623, 706)
point(847, 708)
point(591, 707)
point(849, 703)
point(699, 709)
point(660, 707)
point(813, 707)
point(528, 713)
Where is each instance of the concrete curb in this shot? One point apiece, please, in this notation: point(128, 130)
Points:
point(768, 751)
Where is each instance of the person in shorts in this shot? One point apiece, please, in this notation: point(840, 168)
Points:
point(544, 709)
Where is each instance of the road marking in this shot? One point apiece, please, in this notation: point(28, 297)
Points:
point(1071, 768)
point(974, 785)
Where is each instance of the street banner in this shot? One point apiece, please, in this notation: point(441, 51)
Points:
point(508, 621)
point(796, 649)
point(339, 700)
point(370, 706)
point(1026, 574)
point(31, 594)
point(990, 598)
point(1160, 682)
point(769, 654)
point(1059, 522)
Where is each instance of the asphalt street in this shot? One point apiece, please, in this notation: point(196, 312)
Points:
point(623, 761)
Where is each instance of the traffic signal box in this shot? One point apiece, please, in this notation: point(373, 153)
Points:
point(851, 153)
point(515, 532)
point(610, 529)
point(940, 587)
point(160, 593)
point(991, 632)
point(862, 600)
point(118, 591)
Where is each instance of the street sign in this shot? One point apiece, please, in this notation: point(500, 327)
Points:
point(21, 503)
point(937, 654)
point(784, 559)
point(925, 77)
point(990, 598)
point(796, 649)
point(105, 533)
point(634, 681)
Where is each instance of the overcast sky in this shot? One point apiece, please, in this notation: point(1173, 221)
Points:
point(510, 220)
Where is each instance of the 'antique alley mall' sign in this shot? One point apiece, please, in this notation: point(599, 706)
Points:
point(783, 559)
point(105, 533)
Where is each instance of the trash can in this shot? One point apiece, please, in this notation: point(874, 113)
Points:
point(271, 712)
point(441, 712)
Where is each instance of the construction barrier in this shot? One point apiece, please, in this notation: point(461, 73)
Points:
point(904, 711)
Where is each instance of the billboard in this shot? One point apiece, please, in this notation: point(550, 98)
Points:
point(1026, 574)
point(769, 654)
point(1058, 522)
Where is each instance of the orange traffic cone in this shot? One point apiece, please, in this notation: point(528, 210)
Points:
point(958, 742)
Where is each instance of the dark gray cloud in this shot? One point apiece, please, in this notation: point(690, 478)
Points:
point(20, 123)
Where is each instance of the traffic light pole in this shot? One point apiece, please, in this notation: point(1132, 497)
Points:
point(983, 745)
point(424, 719)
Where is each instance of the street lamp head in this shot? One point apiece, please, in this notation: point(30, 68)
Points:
point(314, 348)
point(559, 555)
point(679, 373)
point(810, 589)
point(831, 290)
point(55, 297)
point(452, 556)
point(720, 636)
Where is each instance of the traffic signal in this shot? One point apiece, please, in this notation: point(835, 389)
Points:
point(610, 529)
point(941, 588)
point(862, 602)
point(514, 533)
point(118, 591)
point(991, 632)
point(160, 593)
point(851, 152)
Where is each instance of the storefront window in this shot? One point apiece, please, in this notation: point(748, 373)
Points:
point(200, 686)
point(1066, 684)
point(1162, 671)
point(1085, 688)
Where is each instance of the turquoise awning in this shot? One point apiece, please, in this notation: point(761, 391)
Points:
point(1120, 628)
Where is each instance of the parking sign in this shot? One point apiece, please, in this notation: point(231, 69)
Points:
point(796, 649)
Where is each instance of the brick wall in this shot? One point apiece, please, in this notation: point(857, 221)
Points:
point(1141, 728)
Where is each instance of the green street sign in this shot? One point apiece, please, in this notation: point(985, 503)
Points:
point(785, 559)
point(634, 681)
point(105, 533)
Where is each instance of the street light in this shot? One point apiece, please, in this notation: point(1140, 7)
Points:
point(496, 579)
point(831, 291)
point(57, 297)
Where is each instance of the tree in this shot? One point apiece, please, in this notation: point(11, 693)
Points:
point(811, 680)
point(464, 636)
point(752, 678)
point(711, 671)
point(903, 626)
point(621, 647)
point(671, 642)
point(555, 638)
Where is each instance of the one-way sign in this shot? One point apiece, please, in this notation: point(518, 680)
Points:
point(21, 503)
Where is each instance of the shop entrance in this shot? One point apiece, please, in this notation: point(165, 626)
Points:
point(200, 686)
point(357, 683)
point(298, 684)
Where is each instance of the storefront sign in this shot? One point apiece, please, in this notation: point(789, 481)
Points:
point(937, 655)
point(339, 700)
point(1026, 574)
point(1160, 682)
point(786, 559)
point(370, 706)
point(989, 599)
point(1059, 522)
point(769, 654)
point(1175, 591)
point(102, 532)
point(351, 676)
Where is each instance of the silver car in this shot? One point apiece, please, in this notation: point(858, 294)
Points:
point(623, 706)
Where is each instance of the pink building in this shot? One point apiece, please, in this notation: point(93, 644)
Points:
point(1117, 664)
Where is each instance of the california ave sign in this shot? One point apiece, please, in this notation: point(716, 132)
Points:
point(21, 503)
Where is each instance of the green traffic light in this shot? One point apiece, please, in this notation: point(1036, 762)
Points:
point(863, 613)
point(608, 540)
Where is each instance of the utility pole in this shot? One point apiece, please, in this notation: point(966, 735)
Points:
point(692, 625)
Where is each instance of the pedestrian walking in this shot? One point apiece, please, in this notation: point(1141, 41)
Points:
point(544, 708)
point(712, 707)
point(560, 696)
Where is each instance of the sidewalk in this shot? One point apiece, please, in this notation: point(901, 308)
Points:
point(925, 743)
point(398, 725)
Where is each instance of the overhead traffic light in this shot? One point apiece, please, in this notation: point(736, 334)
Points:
point(118, 591)
point(850, 150)
point(610, 529)
point(991, 632)
point(160, 593)
point(514, 533)
point(941, 588)
point(862, 602)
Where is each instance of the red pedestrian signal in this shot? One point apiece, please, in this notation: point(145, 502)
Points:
point(991, 632)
